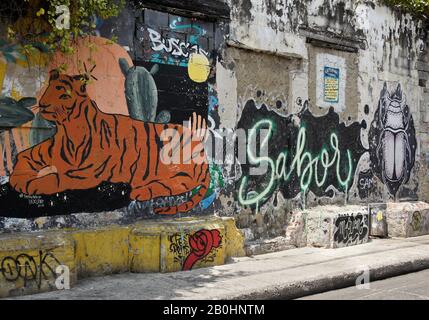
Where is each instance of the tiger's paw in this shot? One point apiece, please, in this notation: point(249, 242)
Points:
point(18, 183)
point(48, 184)
point(47, 171)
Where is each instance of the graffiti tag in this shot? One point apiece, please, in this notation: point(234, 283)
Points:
point(300, 152)
point(29, 268)
point(174, 46)
point(366, 183)
point(188, 249)
point(351, 229)
point(306, 167)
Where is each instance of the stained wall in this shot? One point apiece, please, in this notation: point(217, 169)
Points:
point(349, 127)
point(336, 90)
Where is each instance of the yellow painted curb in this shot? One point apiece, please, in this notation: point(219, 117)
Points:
point(101, 252)
point(164, 246)
point(29, 261)
point(234, 240)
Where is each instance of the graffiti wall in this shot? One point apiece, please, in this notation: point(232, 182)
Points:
point(118, 128)
point(200, 247)
point(331, 113)
point(351, 230)
point(322, 154)
point(298, 160)
point(259, 118)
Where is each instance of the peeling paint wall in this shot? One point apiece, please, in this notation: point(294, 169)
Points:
point(359, 70)
point(338, 87)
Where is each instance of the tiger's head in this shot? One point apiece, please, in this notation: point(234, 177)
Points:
point(62, 96)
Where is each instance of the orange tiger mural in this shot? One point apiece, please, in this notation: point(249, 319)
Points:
point(91, 147)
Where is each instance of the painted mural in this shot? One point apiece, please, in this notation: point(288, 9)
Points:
point(13, 114)
point(91, 147)
point(180, 50)
point(392, 139)
point(305, 153)
point(321, 154)
point(97, 135)
point(183, 52)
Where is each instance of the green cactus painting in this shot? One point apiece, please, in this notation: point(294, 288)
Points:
point(141, 93)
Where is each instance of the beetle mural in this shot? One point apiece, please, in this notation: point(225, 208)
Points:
point(392, 139)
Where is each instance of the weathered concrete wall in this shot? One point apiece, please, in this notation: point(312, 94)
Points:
point(307, 104)
point(373, 88)
point(33, 262)
point(83, 155)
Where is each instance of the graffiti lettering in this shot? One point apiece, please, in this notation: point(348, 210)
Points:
point(26, 267)
point(300, 152)
point(304, 165)
point(173, 46)
point(351, 229)
point(366, 183)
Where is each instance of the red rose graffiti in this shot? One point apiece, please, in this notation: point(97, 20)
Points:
point(201, 244)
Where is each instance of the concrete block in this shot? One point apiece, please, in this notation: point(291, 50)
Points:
point(234, 240)
point(336, 227)
point(29, 262)
point(408, 219)
point(145, 250)
point(295, 230)
point(183, 244)
point(378, 220)
point(101, 252)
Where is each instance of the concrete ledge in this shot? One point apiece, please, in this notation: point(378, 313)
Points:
point(408, 219)
point(378, 269)
point(28, 261)
point(334, 282)
point(336, 227)
point(100, 252)
point(287, 274)
point(168, 246)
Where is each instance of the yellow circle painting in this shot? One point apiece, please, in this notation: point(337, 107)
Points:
point(198, 68)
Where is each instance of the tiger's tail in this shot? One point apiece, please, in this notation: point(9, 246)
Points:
point(195, 199)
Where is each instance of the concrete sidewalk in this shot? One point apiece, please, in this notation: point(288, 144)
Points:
point(287, 274)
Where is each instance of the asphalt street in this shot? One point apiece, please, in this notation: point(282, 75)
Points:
point(413, 286)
